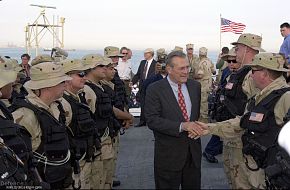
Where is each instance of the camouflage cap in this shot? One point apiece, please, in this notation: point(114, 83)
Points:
point(189, 46)
point(178, 48)
point(149, 50)
point(271, 61)
point(41, 59)
point(7, 73)
point(46, 74)
point(231, 53)
point(91, 61)
point(203, 51)
point(111, 51)
point(251, 40)
point(160, 51)
point(73, 65)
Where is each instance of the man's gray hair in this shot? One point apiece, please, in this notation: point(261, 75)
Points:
point(172, 55)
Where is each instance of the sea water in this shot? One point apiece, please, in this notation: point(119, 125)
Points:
point(79, 53)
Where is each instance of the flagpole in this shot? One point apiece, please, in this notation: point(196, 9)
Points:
point(220, 32)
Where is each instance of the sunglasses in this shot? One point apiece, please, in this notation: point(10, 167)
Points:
point(82, 74)
point(125, 53)
point(232, 61)
point(255, 70)
point(190, 49)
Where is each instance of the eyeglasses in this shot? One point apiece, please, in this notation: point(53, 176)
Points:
point(255, 70)
point(125, 53)
point(82, 74)
point(190, 49)
point(232, 61)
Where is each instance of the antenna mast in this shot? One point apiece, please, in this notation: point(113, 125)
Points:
point(36, 31)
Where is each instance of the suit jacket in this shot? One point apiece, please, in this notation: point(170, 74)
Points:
point(164, 116)
point(137, 77)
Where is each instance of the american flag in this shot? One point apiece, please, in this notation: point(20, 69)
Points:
point(229, 26)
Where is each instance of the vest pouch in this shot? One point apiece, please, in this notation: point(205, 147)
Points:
point(7, 129)
point(55, 134)
point(86, 126)
point(105, 106)
point(55, 174)
point(254, 149)
point(80, 148)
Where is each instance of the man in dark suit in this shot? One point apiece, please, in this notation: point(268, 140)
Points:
point(172, 104)
point(146, 70)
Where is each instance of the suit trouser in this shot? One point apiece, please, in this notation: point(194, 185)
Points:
point(189, 177)
point(214, 146)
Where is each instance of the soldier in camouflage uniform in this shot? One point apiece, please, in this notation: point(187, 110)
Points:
point(240, 88)
point(204, 72)
point(192, 58)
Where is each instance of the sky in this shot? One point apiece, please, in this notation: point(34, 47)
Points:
point(140, 24)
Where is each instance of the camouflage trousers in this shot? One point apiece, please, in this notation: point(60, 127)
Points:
point(107, 157)
point(240, 177)
point(204, 107)
point(116, 142)
point(96, 171)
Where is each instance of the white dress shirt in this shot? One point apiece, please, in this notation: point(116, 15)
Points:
point(124, 69)
point(148, 66)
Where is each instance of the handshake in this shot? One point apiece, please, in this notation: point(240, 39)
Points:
point(195, 129)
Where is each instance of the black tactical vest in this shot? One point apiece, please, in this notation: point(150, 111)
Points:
point(260, 137)
point(15, 136)
point(104, 109)
point(234, 98)
point(115, 123)
point(12, 170)
point(54, 142)
point(83, 129)
point(120, 99)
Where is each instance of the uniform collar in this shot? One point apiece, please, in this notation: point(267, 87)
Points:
point(275, 85)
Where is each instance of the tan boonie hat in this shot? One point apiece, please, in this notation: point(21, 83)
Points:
point(251, 40)
point(189, 46)
point(7, 73)
point(46, 74)
point(149, 50)
point(203, 51)
point(93, 60)
point(178, 48)
point(271, 61)
point(41, 59)
point(231, 53)
point(14, 64)
point(111, 51)
point(160, 51)
point(73, 65)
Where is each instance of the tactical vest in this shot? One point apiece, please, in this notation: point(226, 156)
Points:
point(83, 129)
point(220, 112)
point(54, 143)
point(15, 136)
point(11, 169)
point(260, 137)
point(104, 109)
point(278, 174)
point(234, 98)
point(116, 124)
point(120, 99)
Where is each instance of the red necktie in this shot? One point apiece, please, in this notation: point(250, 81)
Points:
point(181, 103)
